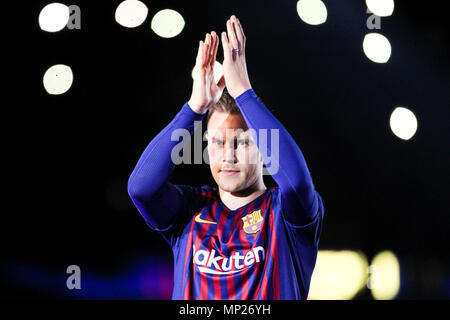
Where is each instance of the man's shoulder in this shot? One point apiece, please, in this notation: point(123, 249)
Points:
point(274, 192)
point(204, 191)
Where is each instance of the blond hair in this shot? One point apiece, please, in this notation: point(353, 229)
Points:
point(226, 103)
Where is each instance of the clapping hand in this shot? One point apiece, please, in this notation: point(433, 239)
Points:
point(234, 64)
point(206, 92)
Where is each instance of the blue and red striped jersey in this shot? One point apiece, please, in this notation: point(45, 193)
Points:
point(264, 250)
point(253, 252)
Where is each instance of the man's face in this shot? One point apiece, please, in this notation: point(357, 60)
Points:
point(235, 161)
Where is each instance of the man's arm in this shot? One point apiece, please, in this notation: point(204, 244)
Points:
point(299, 198)
point(289, 167)
point(157, 200)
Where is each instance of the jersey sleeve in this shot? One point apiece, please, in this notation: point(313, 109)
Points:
point(304, 240)
point(158, 201)
point(287, 165)
point(308, 235)
point(191, 199)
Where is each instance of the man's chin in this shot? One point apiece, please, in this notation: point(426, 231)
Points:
point(229, 189)
point(229, 186)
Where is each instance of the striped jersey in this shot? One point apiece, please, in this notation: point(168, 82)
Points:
point(266, 249)
point(252, 252)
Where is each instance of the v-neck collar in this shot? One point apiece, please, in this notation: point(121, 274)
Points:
point(223, 205)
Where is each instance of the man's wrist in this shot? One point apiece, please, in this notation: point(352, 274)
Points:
point(240, 91)
point(197, 108)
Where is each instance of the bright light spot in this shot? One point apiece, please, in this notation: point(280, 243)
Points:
point(131, 13)
point(58, 79)
point(218, 71)
point(385, 276)
point(377, 47)
point(382, 8)
point(312, 12)
point(403, 123)
point(167, 23)
point(54, 17)
point(338, 275)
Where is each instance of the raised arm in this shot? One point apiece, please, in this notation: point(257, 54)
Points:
point(288, 168)
point(158, 200)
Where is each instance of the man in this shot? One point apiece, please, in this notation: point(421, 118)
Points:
point(239, 240)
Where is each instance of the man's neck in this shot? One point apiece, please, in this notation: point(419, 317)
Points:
point(235, 200)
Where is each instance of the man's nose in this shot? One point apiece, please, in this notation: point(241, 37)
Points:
point(229, 153)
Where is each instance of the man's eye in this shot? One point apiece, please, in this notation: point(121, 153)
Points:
point(242, 142)
point(218, 142)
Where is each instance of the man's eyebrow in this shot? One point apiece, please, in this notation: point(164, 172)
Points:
point(244, 135)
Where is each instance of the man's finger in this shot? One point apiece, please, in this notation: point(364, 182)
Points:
point(214, 48)
point(240, 33)
point(210, 49)
point(206, 52)
point(198, 59)
point(232, 35)
point(226, 46)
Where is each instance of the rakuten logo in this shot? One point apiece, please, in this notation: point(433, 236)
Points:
point(208, 262)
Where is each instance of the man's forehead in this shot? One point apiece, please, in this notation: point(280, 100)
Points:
point(227, 125)
point(226, 120)
point(229, 133)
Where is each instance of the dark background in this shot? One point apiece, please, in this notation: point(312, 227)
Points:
point(71, 155)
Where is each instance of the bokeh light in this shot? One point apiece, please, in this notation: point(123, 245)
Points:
point(58, 79)
point(403, 123)
point(382, 8)
point(167, 23)
point(54, 17)
point(131, 13)
point(385, 276)
point(312, 12)
point(377, 47)
point(338, 275)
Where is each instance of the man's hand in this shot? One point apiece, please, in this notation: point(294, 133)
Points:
point(234, 65)
point(205, 91)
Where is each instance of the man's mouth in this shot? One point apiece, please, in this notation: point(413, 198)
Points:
point(229, 172)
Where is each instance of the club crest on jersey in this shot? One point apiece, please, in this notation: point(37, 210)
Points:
point(252, 222)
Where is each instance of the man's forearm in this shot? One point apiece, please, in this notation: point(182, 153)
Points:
point(288, 168)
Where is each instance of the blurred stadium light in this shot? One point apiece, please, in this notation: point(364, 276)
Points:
point(313, 12)
point(58, 79)
point(54, 17)
point(131, 13)
point(338, 275)
point(384, 280)
point(403, 123)
point(167, 23)
point(382, 8)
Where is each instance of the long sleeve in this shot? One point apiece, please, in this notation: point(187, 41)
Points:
point(157, 200)
point(288, 167)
